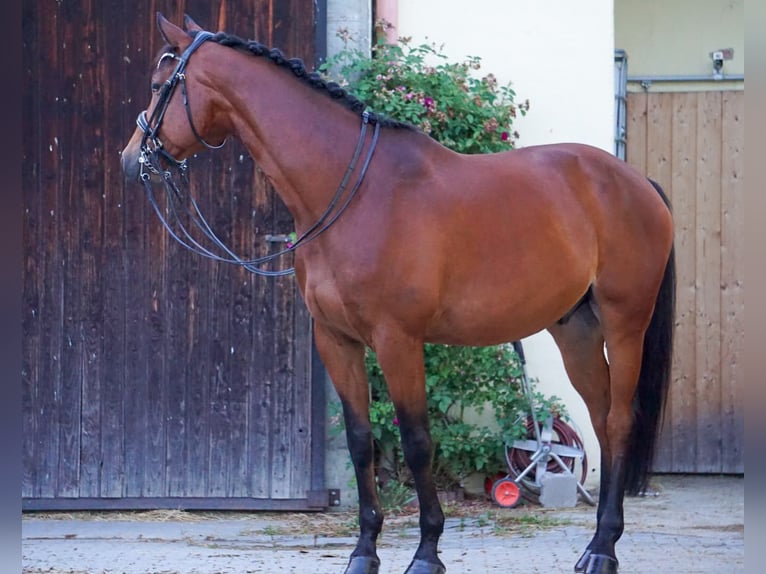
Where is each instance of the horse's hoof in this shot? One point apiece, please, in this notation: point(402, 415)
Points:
point(582, 562)
point(423, 567)
point(601, 564)
point(363, 565)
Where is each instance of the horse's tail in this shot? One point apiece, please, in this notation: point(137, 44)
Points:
point(654, 380)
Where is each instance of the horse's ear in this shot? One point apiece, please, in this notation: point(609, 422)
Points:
point(191, 25)
point(171, 33)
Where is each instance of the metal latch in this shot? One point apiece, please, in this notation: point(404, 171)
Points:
point(323, 498)
point(278, 238)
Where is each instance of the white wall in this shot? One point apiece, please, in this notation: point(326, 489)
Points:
point(559, 54)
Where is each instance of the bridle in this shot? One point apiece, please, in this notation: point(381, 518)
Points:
point(153, 151)
point(151, 126)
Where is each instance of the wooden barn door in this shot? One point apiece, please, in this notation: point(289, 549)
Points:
point(693, 145)
point(152, 377)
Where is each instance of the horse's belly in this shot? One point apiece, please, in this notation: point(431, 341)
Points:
point(492, 318)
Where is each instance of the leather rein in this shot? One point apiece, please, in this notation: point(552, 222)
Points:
point(180, 204)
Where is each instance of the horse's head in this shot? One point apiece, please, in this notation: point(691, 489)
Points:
point(181, 116)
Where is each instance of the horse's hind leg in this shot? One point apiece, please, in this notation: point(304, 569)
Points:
point(581, 343)
point(623, 327)
point(401, 359)
point(344, 360)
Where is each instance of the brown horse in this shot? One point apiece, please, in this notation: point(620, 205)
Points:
point(579, 243)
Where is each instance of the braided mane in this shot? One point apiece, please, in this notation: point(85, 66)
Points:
point(313, 79)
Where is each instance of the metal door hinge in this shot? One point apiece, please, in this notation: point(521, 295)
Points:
point(323, 498)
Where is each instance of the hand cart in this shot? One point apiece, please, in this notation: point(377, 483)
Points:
point(551, 446)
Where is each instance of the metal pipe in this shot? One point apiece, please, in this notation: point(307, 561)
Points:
point(620, 102)
point(647, 81)
point(389, 10)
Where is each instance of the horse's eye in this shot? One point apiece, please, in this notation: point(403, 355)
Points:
point(156, 88)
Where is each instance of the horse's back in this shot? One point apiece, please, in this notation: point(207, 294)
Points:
point(558, 195)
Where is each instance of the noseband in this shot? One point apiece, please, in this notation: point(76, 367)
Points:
point(152, 150)
point(151, 145)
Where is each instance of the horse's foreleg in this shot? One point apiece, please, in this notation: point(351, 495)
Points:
point(344, 360)
point(402, 363)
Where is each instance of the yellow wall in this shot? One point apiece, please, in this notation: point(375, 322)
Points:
point(675, 37)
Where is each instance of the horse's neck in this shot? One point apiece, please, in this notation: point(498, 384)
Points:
point(299, 137)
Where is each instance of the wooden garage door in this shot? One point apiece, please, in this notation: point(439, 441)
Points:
point(152, 377)
point(692, 143)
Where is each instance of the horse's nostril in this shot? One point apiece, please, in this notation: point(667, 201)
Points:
point(130, 166)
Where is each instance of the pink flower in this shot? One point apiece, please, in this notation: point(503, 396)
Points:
point(504, 136)
point(396, 421)
point(491, 125)
point(428, 102)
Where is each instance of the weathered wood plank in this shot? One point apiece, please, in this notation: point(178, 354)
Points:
point(659, 140)
point(207, 13)
point(89, 194)
point(636, 130)
point(135, 393)
point(70, 182)
point(261, 356)
point(732, 283)
point(34, 242)
point(238, 183)
point(197, 373)
point(659, 121)
point(138, 217)
point(684, 401)
point(156, 395)
point(300, 483)
point(176, 381)
point(296, 25)
point(708, 281)
point(241, 338)
point(283, 413)
point(284, 405)
point(112, 48)
point(220, 389)
point(51, 318)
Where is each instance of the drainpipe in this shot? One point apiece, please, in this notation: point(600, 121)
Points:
point(388, 10)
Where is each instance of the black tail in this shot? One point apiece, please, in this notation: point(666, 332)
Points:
point(653, 383)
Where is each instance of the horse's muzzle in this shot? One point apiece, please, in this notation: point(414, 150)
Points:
point(130, 166)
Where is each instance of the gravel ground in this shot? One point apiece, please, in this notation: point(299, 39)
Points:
point(694, 524)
